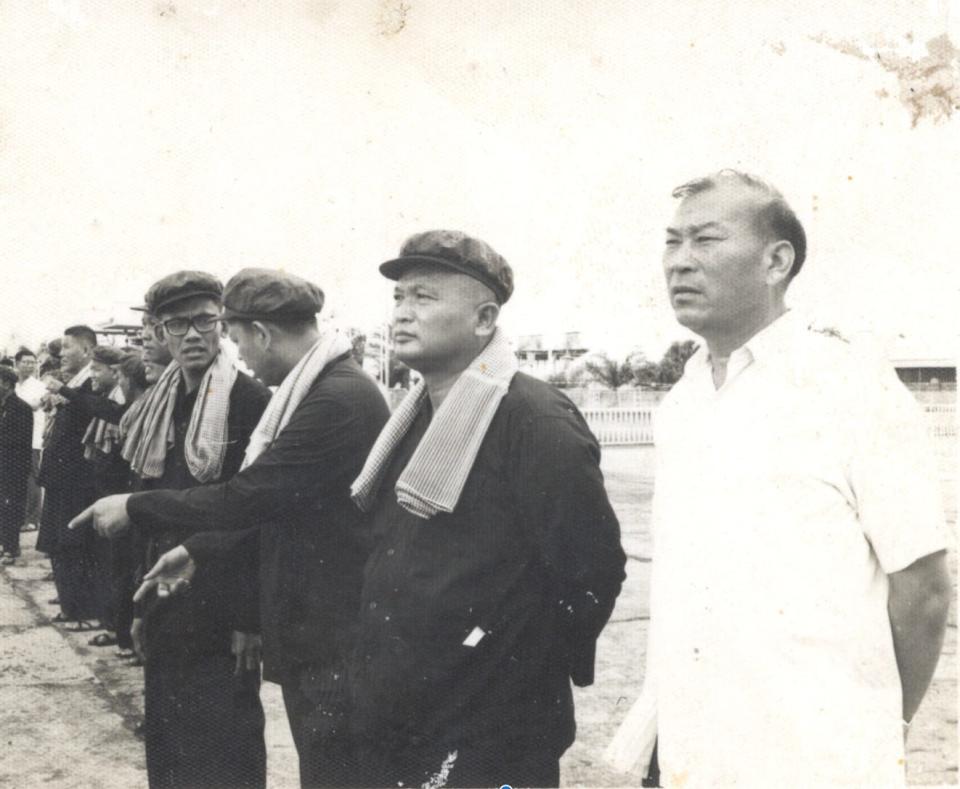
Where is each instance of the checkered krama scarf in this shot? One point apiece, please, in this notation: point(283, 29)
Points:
point(437, 472)
point(150, 432)
point(102, 436)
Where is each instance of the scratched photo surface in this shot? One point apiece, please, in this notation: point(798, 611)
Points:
point(137, 138)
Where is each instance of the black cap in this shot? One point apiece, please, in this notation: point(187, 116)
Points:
point(268, 294)
point(179, 286)
point(107, 354)
point(456, 251)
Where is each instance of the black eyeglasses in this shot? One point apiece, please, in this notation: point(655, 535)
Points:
point(178, 327)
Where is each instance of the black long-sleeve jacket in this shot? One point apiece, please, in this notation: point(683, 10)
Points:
point(297, 493)
point(473, 623)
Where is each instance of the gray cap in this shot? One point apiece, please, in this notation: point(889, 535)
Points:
point(179, 286)
point(456, 251)
point(270, 294)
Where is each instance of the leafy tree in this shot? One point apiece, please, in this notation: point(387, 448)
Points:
point(671, 365)
point(609, 372)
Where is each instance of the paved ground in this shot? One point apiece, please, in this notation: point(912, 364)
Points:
point(69, 709)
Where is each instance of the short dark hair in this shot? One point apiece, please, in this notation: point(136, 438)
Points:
point(776, 219)
point(8, 376)
point(6, 361)
point(23, 352)
point(131, 365)
point(290, 325)
point(83, 333)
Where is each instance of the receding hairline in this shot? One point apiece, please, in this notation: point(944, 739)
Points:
point(771, 214)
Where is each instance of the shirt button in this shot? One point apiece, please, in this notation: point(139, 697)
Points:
point(390, 552)
point(373, 605)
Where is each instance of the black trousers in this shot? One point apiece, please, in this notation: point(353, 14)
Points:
point(504, 759)
point(315, 697)
point(11, 519)
point(103, 581)
point(124, 586)
point(71, 552)
point(203, 726)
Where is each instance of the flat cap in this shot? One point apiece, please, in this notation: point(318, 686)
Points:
point(268, 294)
point(107, 354)
point(179, 286)
point(456, 251)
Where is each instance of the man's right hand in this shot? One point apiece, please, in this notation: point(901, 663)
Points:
point(170, 575)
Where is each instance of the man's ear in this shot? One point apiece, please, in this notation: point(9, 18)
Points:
point(487, 314)
point(778, 260)
point(261, 334)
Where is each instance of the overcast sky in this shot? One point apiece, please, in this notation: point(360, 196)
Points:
point(140, 137)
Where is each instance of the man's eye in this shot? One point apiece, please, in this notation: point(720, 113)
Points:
point(672, 242)
point(702, 239)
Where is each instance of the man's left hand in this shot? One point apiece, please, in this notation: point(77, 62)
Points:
point(108, 516)
point(246, 647)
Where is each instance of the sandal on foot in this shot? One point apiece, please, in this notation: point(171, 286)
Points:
point(60, 619)
point(103, 640)
point(80, 626)
point(124, 653)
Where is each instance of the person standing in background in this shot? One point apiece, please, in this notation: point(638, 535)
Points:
point(68, 485)
point(16, 434)
point(31, 391)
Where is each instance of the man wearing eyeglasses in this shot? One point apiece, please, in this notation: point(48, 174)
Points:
point(203, 718)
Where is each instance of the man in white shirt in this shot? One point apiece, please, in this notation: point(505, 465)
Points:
point(31, 391)
point(800, 587)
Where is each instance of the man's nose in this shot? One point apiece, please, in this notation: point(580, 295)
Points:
point(679, 258)
point(192, 331)
point(402, 312)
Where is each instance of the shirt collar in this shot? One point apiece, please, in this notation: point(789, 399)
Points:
point(768, 343)
point(774, 338)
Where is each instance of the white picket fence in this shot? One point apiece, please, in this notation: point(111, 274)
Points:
point(634, 426)
point(620, 426)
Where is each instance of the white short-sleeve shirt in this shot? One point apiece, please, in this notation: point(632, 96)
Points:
point(783, 500)
point(30, 391)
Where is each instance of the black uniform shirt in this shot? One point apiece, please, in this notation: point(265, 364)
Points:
point(474, 622)
point(297, 494)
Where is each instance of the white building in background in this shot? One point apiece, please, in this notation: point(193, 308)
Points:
point(543, 355)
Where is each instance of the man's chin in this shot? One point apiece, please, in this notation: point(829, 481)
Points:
point(690, 318)
point(198, 363)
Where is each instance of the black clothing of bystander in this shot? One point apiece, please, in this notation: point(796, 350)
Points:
point(16, 436)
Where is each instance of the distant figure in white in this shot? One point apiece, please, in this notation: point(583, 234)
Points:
point(800, 587)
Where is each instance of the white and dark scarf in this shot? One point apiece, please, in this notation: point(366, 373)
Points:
point(150, 431)
point(437, 472)
point(101, 435)
point(291, 392)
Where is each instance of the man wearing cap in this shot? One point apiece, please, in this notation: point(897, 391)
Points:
point(203, 718)
point(295, 486)
point(497, 556)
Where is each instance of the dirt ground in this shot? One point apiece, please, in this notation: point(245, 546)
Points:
point(69, 709)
